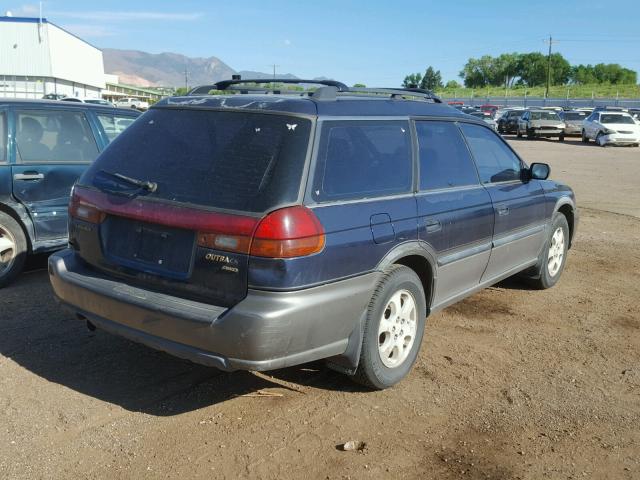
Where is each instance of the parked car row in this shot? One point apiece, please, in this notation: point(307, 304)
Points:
point(606, 126)
point(129, 102)
point(44, 148)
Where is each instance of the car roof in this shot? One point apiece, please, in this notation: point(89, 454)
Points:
point(23, 102)
point(340, 106)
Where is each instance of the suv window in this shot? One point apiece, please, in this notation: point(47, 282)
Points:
point(495, 160)
point(54, 136)
point(359, 159)
point(444, 156)
point(114, 125)
point(250, 162)
point(3, 138)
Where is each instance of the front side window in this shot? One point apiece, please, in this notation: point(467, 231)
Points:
point(444, 157)
point(495, 160)
point(360, 159)
point(54, 136)
point(114, 125)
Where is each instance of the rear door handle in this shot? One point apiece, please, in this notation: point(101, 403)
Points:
point(502, 210)
point(28, 176)
point(433, 225)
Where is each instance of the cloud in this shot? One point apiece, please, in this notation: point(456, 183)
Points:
point(110, 16)
point(28, 10)
point(287, 42)
point(89, 31)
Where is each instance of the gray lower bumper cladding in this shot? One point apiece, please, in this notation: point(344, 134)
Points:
point(265, 331)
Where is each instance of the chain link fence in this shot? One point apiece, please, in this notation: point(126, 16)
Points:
point(546, 102)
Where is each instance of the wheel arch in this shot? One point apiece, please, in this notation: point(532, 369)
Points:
point(566, 207)
point(20, 216)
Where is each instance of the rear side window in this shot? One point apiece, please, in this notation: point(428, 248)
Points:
point(54, 136)
point(359, 159)
point(444, 157)
point(250, 162)
point(114, 125)
point(3, 138)
point(495, 161)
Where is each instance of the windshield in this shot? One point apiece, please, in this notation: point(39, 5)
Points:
point(544, 116)
point(616, 119)
point(574, 115)
point(229, 160)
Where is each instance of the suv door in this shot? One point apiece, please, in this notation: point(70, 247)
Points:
point(455, 213)
point(519, 205)
point(52, 149)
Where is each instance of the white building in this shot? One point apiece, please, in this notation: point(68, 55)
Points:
point(38, 58)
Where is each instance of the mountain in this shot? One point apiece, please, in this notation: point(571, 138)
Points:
point(262, 75)
point(163, 69)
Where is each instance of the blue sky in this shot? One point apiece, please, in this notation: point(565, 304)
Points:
point(374, 42)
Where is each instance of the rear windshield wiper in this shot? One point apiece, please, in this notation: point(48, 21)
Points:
point(144, 184)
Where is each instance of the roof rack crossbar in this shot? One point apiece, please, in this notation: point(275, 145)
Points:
point(234, 84)
point(399, 92)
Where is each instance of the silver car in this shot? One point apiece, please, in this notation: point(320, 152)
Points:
point(573, 122)
point(541, 123)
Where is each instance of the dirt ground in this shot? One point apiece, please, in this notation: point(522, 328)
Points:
point(510, 383)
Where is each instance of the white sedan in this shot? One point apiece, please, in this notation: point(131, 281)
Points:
point(611, 128)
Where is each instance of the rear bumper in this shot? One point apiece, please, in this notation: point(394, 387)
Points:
point(265, 331)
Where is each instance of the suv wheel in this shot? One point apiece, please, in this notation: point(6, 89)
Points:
point(13, 249)
point(393, 329)
point(554, 255)
point(585, 139)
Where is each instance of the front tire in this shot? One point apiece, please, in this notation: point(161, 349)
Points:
point(599, 139)
point(393, 329)
point(518, 133)
point(13, 249)
point(585, 139)
point(554, 255)
point(561, 138)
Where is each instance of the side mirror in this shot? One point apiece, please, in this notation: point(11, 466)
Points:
point(539, 171)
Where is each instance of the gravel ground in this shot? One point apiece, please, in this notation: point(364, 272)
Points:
point(510, 383)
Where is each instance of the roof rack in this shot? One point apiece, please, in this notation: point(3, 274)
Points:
point(329, 90)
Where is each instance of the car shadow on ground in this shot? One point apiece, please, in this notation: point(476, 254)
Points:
point(46, 339)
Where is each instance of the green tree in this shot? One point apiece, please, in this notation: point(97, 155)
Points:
point(451, 84)
point(560, 69)
point(505, 69)
point(431, 79)
point(359, 85)
point(412, 80)
point(532, 69)
point(478, 72)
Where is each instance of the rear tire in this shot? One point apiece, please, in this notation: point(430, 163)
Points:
point(13, 249)
point(393, 329)
point(561, 138)
point(554, 255)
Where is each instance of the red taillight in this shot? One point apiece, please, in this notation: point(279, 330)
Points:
point(289, 232)
point(82, 209)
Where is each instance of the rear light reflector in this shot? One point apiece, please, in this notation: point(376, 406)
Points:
point(285, 233)
point(289, 232)
point(82, 209)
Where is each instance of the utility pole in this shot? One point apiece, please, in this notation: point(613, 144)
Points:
point(274, 71)
point(551, 42)
point(186, 79)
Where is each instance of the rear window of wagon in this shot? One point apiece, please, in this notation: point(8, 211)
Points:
point(242, 161)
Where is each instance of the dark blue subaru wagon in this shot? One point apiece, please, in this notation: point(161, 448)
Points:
point(261, 229)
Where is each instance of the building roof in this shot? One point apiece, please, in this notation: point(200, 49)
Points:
point(345, 106)
point(43, 20)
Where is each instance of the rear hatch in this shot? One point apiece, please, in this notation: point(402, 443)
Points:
point(173, 202)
